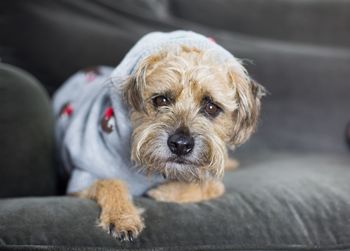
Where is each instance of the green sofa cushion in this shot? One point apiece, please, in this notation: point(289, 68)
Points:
point(26, 135)
point(282, 202)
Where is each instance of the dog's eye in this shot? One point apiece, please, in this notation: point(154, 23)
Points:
point(211, 109)
point(160, 101)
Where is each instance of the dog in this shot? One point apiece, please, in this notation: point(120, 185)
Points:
point(159, 124)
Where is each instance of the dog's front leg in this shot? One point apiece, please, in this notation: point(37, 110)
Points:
point(118, 214)
point(179, 192)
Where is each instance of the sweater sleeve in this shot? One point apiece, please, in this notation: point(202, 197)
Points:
point(80, 180)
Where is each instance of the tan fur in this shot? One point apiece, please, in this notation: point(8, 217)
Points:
point(118, 214)
point(180, 192)
point(231, 164)
point(188, 77)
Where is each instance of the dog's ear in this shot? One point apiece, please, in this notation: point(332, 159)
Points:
point(257, 89)
point(132, 90)
point(134, 86)
point(245, 117)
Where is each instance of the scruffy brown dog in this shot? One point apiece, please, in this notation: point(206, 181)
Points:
point(185, 110)
point(204, 107)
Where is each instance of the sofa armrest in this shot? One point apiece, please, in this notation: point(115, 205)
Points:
point(26, 136)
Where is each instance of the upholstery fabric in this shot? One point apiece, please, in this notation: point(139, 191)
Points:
point(281, 202)
point(26, 130)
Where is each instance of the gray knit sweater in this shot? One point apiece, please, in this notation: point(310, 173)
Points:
point(92, 122)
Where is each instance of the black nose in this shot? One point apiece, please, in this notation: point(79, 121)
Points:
point(180, 143)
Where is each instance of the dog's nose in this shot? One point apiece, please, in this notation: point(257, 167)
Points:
point(180, 143)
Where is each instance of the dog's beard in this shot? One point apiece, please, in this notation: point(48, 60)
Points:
point(153, 156)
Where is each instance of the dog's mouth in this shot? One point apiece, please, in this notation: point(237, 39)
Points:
point(178, 168)
point(179, 160)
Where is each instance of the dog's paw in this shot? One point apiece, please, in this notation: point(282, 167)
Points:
point(187, 192)
point(160, 194)
point(125, 226)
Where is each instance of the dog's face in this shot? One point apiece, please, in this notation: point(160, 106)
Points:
point(185, 110)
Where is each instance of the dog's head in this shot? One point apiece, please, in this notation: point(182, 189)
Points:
point(185, 109)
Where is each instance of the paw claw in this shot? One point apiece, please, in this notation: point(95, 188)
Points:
point(122, 236)
point(130, 236)
point(124, 227)
point(111, 228)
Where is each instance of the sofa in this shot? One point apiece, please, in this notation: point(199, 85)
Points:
point(291, 191)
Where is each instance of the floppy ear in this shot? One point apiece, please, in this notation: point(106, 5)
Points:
point(134, 86)
point(245, 118)
point(257, 89)
point(132, 90)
